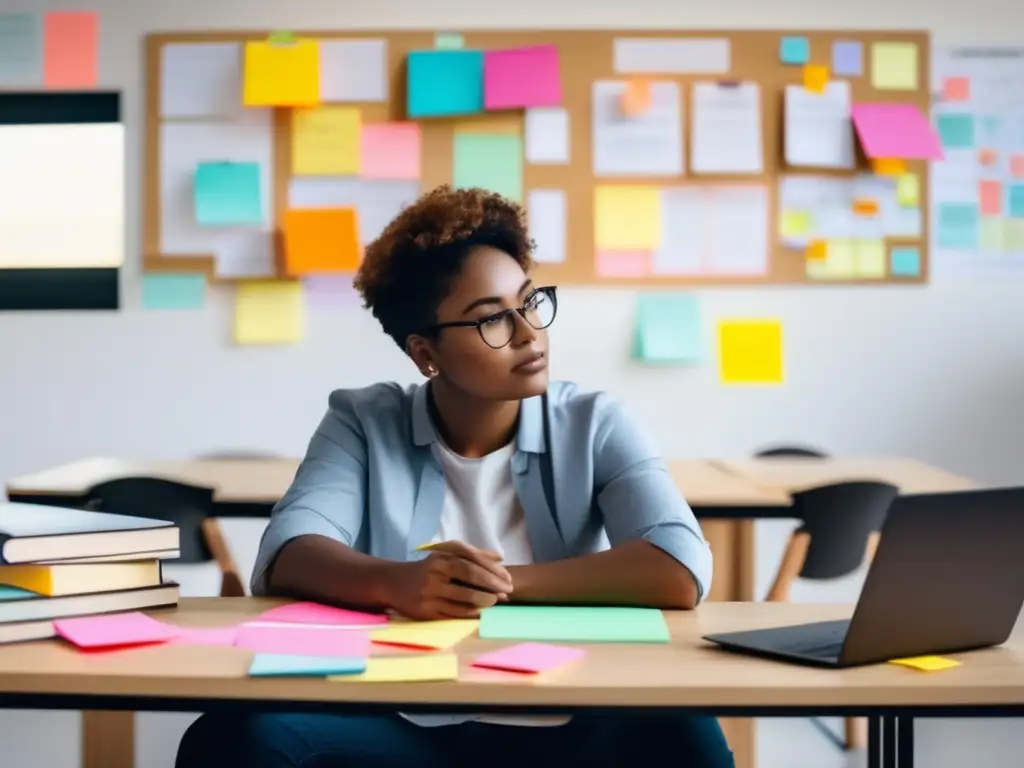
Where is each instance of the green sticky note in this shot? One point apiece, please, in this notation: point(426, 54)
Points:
point(1015, 235)
point(448, 40)
point(493, 161)
point(992, 233)
point(582, 624)
point(955, 130)
point(173, 291)
point(228, 194)
point(667, 329)
point(288, 665)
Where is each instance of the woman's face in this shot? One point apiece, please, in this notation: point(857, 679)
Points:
point(491, 282)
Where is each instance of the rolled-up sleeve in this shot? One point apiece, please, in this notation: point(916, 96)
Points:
point(327, 496)
point(639, 500)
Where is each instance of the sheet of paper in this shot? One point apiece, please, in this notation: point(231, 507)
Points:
point(847, 58)
point(547, 215)
point(113, 629)
point(817, 131)
point(306, 665)
point(276, 75)
point(489, 160)
point(726, 128)
point(927, 663)
point(70, 49)
point(353, 70)
point(315, 613)
point(304, 641)
point(547, 136)
point(668, 329)
point(173, 291)
point(895, 131)
point(427, 635)
point(623, 263)
point(530, 658)
point(377, 200)
point(391, 151)
point(228, 194)
point(672, 55)
point(411, 668)
point(203, 80)
point(444, 83)
point(321, 240)
point(326, 141)
point(14, 593)
point(905, 261)
point(649, 144)
point(750, 352)
point(794, 49)
point(515, 78)
point(330, 291)
point(894, 66)
point(685, 236)
point(220, 636)
point(584, 624)
point(21, 50)
point(627, 217)
point(268, 312)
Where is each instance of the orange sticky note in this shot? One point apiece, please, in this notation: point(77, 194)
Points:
point(637, 97)
point(1017, 166)
point(927, 663)
point(816, 78)
point(817, 250)
point(987, 157)
point(70, 43)
point(321, 240)
point(889, 166)
point(990, 198)
point(865, 207)
point(956, 89)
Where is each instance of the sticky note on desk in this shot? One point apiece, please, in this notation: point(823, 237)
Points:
point(268, 312)
point(304, 641)
point(427, 668)
point(627, 218)
point(326, 141)
point(443, 83)
point(228, 194)
point(289, 665)
point(927, 663)
point(581, 624)
point(530, 658)
point(427, 635)
point(304, 612)
point(281, 74)
point(522, 77)
point(667, 329)
point(113, 630)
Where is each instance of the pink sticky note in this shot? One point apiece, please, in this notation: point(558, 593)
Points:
point(990, 198)
point(956, 89)
point(390, 151)
point(1017, 166)
point(522, 77)
point(224, 636)
point(71, 41)
point(529, 657)
point(315, 613)
point(114, 629)
point(896, 131)
point(623, 263)
point(304, 641)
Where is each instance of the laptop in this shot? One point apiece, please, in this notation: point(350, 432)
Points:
point(948, 576)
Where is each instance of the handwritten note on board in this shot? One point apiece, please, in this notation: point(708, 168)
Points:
point(281, 74)
point(750, 352)
point(522, 77)
point(268, 312)
point(326, 141)
point(70, 49)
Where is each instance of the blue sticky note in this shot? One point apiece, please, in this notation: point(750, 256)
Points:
point(182, 291)
point(795, 50)
point(228, 194)
point(956, 130)
point(958, 226)
point(13, 593)
point(443, 83)
point(1015, 201)
point(288, 665)
point(905, 261)
point(493, 161)
point(847, 58)
point(667, 329)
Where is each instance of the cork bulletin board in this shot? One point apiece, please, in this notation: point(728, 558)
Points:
point(765, 58)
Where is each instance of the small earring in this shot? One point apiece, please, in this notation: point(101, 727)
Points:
point(431, 371)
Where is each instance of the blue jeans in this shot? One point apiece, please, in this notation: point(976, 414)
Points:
point(389, 741)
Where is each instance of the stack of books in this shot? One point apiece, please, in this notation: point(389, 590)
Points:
point(56, 563)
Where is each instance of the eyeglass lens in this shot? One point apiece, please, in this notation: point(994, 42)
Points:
point(540, 312)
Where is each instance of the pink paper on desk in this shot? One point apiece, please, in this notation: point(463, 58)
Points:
point(529, 657)
point(304, 641)
point(390, 151)
point(315, 613)
point(896, 131)
point(224, 636)
point(522, 77)
point(114, 629)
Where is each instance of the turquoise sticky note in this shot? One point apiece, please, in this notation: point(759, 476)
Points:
point(958, 226)
point(667, 329)
point(448, 40)
point(228, 194)
point(13, 593)
point(21, 49)
point(573, 624)
point(955, 130)
point(493, 161)
point(794, 50)
point(1015, 201)
point(444, 83)
point(288, 665)
point(905, 262)
point(184, 291)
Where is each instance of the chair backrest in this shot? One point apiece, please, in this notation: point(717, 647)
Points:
point(243, 454)
point(839, 519)
point(187, 506)
point(794, 451)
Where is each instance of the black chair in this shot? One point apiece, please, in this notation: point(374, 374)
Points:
point(791, 451)
point(187, 506)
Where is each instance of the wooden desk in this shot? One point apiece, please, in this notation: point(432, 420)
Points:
point(686, 674)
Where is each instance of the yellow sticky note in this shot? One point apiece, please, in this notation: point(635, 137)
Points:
point(993, 233)
point(427, 668)
point(927, 663)
point(869, 258)
point(908, 190)
point(281, 74)
point(429, 635)
point(894, 66)
point(627, 218)
point(839, 264)
point(889, 166)
point(1014, 234)
point(750, 351)
point(325, 141)
point(268, 312)
point(815, 78)
point(796, 223)
point(817, 250)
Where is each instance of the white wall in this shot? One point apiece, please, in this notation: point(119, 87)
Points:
point(929, 373)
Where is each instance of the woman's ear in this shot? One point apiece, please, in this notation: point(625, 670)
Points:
point(418, 349)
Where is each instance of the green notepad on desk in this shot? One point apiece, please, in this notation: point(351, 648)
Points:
point(584, 624)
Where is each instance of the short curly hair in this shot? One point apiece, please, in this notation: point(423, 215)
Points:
point(407, 271)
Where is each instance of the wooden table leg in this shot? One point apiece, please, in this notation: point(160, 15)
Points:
point(108, 739)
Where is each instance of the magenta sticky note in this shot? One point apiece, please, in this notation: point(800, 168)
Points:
point(896, 131)
point(114, 629)
point(390, 151)
point(223, 636)
point(529, 657)
point(304, 641)
point(522, 77)
point(315, 613)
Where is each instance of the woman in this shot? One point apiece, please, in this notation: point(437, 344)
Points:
point(522, 484)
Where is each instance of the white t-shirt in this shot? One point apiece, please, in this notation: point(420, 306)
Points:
point(481, 509)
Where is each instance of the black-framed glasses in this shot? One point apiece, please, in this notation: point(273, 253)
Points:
point(499, 329)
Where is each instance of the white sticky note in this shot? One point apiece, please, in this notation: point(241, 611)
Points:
point(203, 80)
point(546, 213)
point(672, 55)
point(547, 136)
point(353, 70)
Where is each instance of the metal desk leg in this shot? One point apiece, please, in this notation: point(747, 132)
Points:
point(874, 742)
point(890, 742)
point(905, 741)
